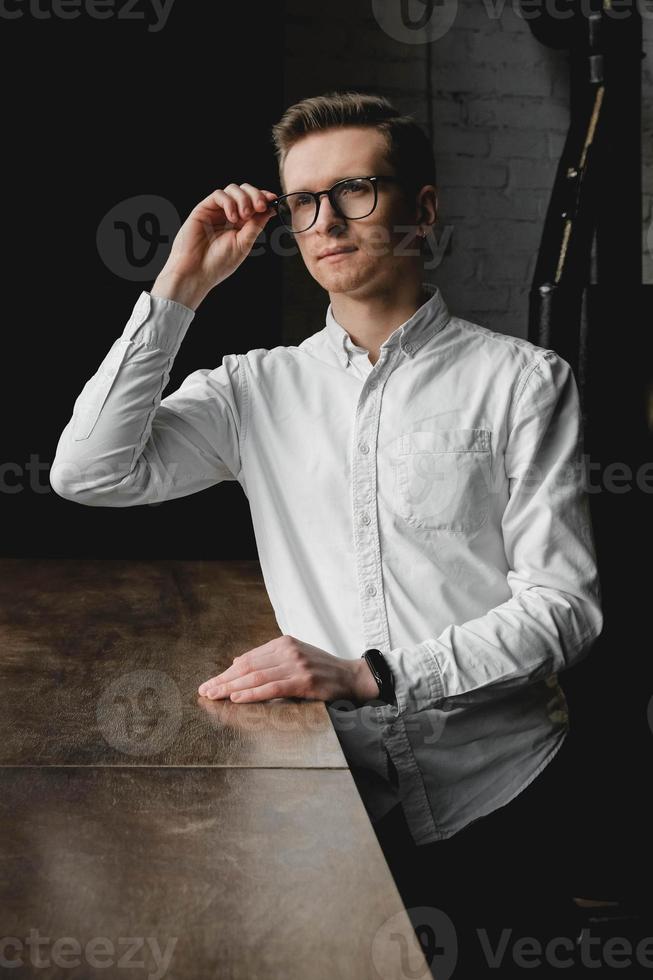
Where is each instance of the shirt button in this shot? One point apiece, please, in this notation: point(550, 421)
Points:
point(371, 590)
point(364, 448)
point(365, 518)
point(372, 385)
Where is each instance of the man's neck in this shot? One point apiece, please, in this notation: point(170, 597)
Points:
point(371, 320)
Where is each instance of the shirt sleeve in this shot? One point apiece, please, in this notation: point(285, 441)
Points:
point(124, 445)
point(555, 612)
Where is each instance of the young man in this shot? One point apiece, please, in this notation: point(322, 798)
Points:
point(414, 479)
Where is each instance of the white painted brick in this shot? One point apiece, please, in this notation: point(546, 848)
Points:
point(482, 299)
point(647, 206)
point(505, 49)
point(556, 145)
point(461, 266)
point(510, 204)
point(514, 110)
point(528, 173)
point(504, 267)
point(519, 143)
point(560, 86)
point(447, 111)
point(465, 77)
point(514, 323)
point(465, 202)
point(515, 236)
point(457, 171)
point(462, 141)
point(520, 235)
point(459, 202)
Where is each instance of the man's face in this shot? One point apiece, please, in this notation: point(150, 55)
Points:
point(381, 240)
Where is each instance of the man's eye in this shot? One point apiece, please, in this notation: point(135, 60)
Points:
point(352, 186)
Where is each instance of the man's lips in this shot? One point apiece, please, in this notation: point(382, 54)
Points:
point(343, 250)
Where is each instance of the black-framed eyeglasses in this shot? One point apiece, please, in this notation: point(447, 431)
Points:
point(351, 197)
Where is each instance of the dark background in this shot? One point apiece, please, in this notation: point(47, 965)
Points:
point(96, 112)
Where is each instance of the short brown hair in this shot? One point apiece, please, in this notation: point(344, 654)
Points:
point(409, 149)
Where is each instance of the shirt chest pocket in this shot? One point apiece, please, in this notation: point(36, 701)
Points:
point(442, 479)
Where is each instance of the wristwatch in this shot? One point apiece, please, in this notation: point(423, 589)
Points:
point(382, 675)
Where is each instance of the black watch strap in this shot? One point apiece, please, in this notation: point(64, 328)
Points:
point(382, 674)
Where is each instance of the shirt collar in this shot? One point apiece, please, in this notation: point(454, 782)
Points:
point(426, 321)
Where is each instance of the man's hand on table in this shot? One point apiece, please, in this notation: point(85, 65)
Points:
point(288, 668)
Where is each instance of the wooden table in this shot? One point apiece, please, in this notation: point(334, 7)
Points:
point(148, 832)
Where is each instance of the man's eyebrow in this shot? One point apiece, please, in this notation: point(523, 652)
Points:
point(304, 189)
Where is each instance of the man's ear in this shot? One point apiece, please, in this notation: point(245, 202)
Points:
point(424, 214)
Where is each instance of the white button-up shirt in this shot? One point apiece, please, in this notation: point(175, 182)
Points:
point(431, 505)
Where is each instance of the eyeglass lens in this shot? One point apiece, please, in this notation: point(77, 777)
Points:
point(354, 198)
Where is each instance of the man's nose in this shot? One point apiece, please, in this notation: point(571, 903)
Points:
point(327, 216)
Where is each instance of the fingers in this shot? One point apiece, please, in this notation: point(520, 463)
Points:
point(237, 202)
point(248, 199)
point(266, 656)
point(228, 205)
point(223, 686)
point(277, 689)
point(258, 197)
point(273, 662)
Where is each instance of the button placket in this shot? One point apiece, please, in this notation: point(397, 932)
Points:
point(366, 534)
point(374, 616)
